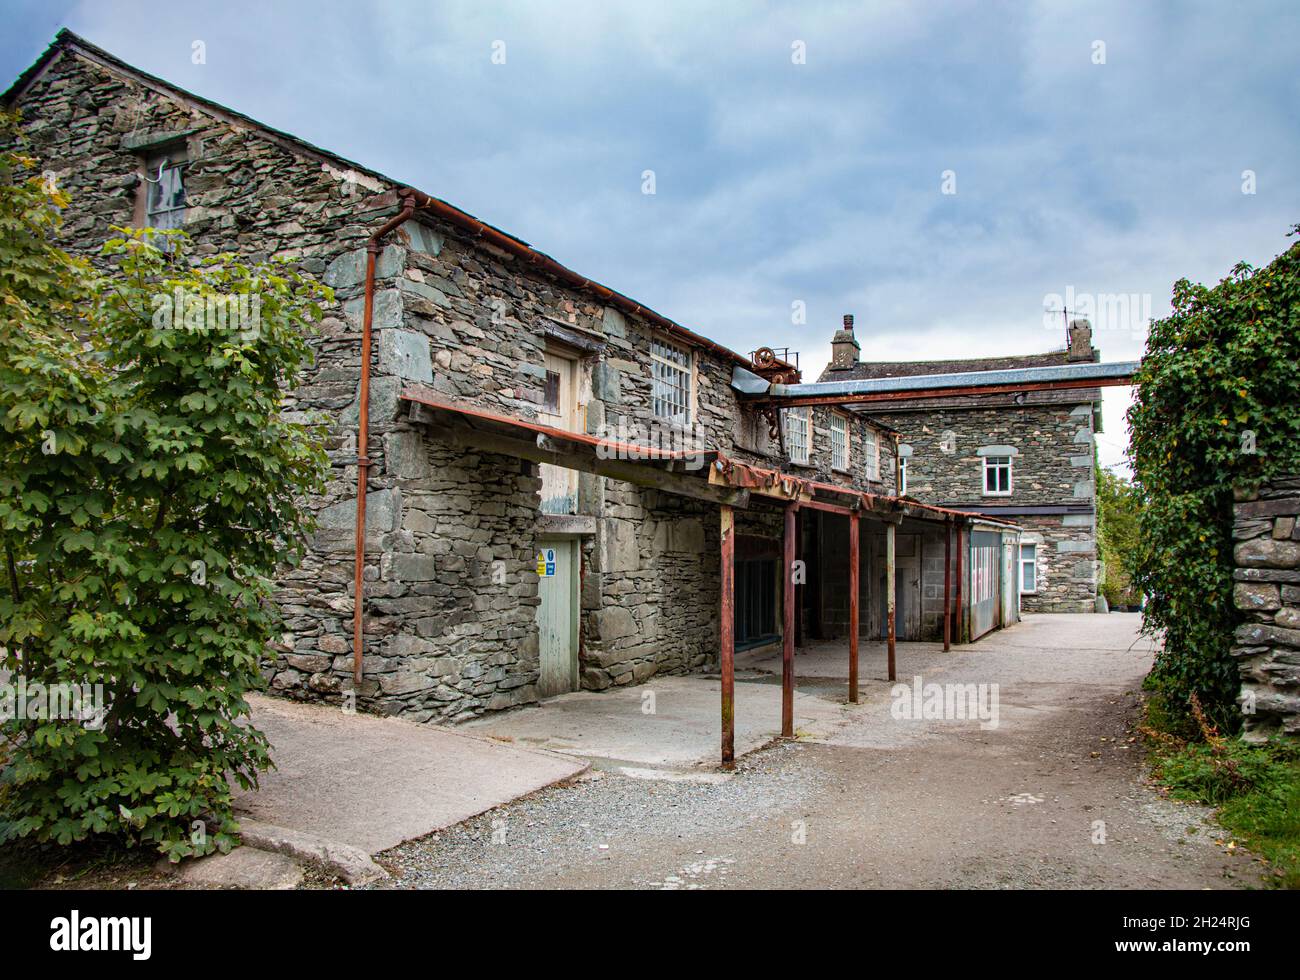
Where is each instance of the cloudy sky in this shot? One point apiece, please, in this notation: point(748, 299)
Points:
point(942, 170)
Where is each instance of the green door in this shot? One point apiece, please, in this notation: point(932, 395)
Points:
point(557, 617)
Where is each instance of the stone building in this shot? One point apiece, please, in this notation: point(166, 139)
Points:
point(1026, 456)
point(557, 480)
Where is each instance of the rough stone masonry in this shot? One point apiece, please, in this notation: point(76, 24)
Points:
point(451, 535)
point(1266, 551)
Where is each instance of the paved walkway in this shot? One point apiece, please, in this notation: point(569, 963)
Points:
point(374, 782)
point(672, 722)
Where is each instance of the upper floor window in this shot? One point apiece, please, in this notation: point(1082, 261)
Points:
point(162, 198)
point(839, 442)
point(871, 446)
point(997, 476)
point(671, 381)
point(798, 435)
point(902, 476)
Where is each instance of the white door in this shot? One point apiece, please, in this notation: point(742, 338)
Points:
point(559, 410)
point(557, 619)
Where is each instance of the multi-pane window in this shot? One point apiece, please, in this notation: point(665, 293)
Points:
point(1029, 568)
point(798, 432)
point(839, 442)
point(670, 368)
point(902, 476)
point(997, 476)
point(871, 446)
point(164, 191)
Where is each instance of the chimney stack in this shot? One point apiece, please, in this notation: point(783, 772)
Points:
point(1079, 342)
point(844, 346)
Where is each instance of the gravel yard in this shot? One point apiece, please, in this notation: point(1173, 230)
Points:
point(603, 819)
point(1054, 796)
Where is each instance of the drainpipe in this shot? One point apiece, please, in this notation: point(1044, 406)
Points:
point(363, 426)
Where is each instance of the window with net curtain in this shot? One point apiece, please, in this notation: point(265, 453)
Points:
point(670, 394)
point(839, 442)
point(871, 447)
point(797, 442)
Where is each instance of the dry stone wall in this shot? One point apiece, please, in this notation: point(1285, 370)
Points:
point(1266, 550)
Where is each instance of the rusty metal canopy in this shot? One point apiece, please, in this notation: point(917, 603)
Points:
point(704, 474)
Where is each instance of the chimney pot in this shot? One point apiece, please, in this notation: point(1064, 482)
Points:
point(1079, 341)
point(844, 346)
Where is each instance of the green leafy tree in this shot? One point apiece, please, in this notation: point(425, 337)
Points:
point(1119, 507)
point(1215, 408)
point(149, 489)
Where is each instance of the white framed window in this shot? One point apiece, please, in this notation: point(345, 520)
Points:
point(871, 447)
point(798, 434)
point(1028, 568)
point(672, 393)
point(997, 476)
point(902, 476)
point(839, 442)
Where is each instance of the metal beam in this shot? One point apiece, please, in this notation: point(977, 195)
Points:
point(727, 637)
point(547, 450)
point(827, 508)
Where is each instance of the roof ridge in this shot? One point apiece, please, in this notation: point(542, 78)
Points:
point(67, 39)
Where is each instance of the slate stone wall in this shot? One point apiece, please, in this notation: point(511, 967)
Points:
point(1266, 550)
point(451, 535)
point(1053, 466)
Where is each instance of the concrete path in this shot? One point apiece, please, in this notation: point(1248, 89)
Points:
point(670, 722)
point(373, 783)
point(1054, 795)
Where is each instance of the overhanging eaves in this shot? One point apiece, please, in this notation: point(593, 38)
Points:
point(1063, 376)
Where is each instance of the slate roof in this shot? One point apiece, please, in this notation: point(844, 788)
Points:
point(867, 370)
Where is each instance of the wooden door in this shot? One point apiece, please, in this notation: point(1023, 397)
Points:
point(560, 410)
point(907, 587)
point(557, 617)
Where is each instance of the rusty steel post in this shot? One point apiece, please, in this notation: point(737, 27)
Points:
point(947, 588)
point(853, 608)
point(890, 592)
point(957, 611)
point(727, 638)
point(787, 623)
